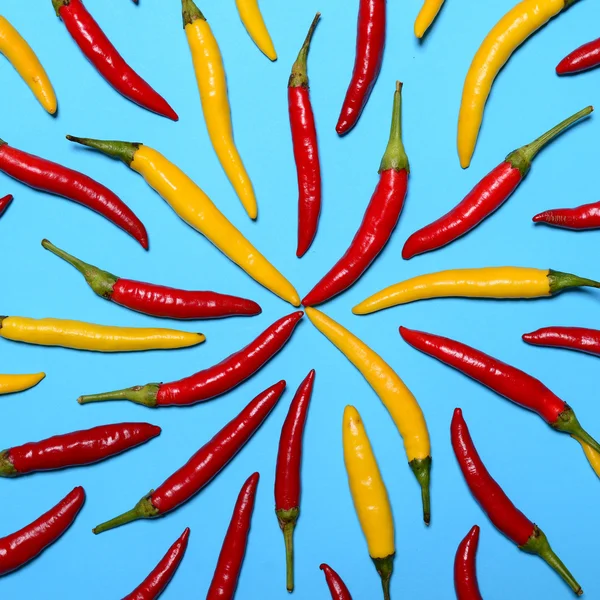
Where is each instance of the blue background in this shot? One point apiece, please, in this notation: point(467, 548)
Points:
point(545, 473)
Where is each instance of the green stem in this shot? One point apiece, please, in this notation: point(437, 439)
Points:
point(7, 469)
point(124, 151)
point(384, 567)
point(299, 75)
point(144, 509)
point(287, 521)
point(395, 155)
point(190, 12)
point(138, 394)
point(421, 467)
point(567, 422)
point(58, 4)
point(559, 281)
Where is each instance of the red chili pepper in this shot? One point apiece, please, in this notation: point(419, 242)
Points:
point(4, 202)
point(98, 49)
point(583, 58)
point(204, 465)
point(465, 573)
point(287, 472)
point(227, 571)
point(153, 586)
point(487, 196)
point(508, 381)
point(73, 449)
point(214, 381)
point(157, 300)
point(497, 505)
point(24, 545)
point(47, 176)
point(572, 338)
point(306, 149)
point(379, 220)
point(586, 216)
point(337, 587)
point(370, 40)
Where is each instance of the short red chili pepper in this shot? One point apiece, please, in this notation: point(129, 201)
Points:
point(508, 381)
point(287, 472)
point(24, 545)
point(157, 300)
point(47, 176)
point(583, 58)
point(74, 449)
point(497, 505)
point(370, 41)
point(214, 381)
point(572, 338)
point(306, 148)
point(98, 49)
point(4, 202)
point(156, 582)
point(227, 571)
point(204, 465)
point(336, 586)
point(486, 197)
point(586, 216)
point(380, 218)
point(465, 573)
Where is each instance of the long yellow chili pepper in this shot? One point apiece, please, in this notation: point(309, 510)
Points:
point(370, 496)
point(27, 64)
point(197, 210)
point(210, 77)
point(397, 398)
point(506, 36)
point(255, 26)
point(426, 16)
point(17, 383)
point(486, 282)
point(98, 338)
point(592, 456)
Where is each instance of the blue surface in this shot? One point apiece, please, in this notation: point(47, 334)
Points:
point(544, 472)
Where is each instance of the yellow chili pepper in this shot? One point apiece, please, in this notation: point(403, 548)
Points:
point(370, 497)
point(210, 76)
point(27, 64)
point(197, 210)
point(592, 456)
point(506, 36)
point(397, 398)
point(255, 26)
point(486, 282)
point(426, 16)
point(99, 338)
point(17, 383)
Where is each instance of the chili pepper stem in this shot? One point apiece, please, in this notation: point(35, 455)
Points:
point(139, 394)
point(421, 467)
point(561, 281)
point(538, 544)
point(7, 469)
point(58, 4)
point(384, 567)
point(190, 12)
point(124, 151)
point(144, 509)
point(395, 155)
point(299, 76)
point(287, 522)
point(567, 422)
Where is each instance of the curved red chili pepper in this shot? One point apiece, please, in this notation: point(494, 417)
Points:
point(370, 41)
point(508, 381)
point(24, 545)
point(73, 449)
point(586, 216)
point(465, 572)
point(497, 505)
point(337, 587)
point(583, 58)
point(47, 176)
point(287, 472)
point(486, 197)
point(572, 338)
point(214, 381)
point(227, 571)
point(98, 49)
point(157, 300)
point(204, 465)
point(4, 202)
point(306, 148)
point(153, 586)
point(379, 220)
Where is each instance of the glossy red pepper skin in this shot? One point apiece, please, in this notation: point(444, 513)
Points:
point(47, 176)
point(98, 49)
point(4, 202)
point(583, 58)
point(586, 216)
point(227, 571)
point(465, 572)
point(571, 338)
point(24, 545)
point(336, 586)
point(156, 582)
point(74, 449)
point(370, 41)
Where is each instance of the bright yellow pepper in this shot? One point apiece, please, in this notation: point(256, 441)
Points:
point(210, 76)
point(27, 64)
point(255, 26)
point(426, 16)
point(17, 383)
point(397, 398)
point(98, 338)
point(485, 282)
point(592, 456)
point(506, 36)
point(369, 495)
